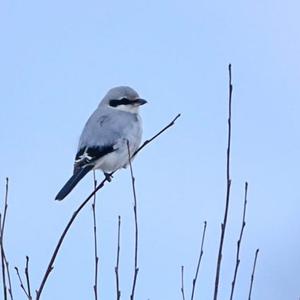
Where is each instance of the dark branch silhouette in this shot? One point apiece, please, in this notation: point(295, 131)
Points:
point(95, 241)
point(182, 283)
point(8, 277)
point(77, 211)
point(22, 284)
point(136, 269)
point(155, 136)
point(199, 260)
point(118, 259)
point(237, 261)
point(27, 278)
point(3, 266)
point(4, 261)
point(223, 225)
point(252, 275)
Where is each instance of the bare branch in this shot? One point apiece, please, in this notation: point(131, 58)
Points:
point(182, 283)
point(237, 262)
point(77, 211)
point(118, 259)
point(252, 275)
point(3, 265)
point(28, 290)
point(2, 223)
point(136, 269)
point(27, 278)
point(199, 260)
point(4, 261)
point(155, 136)
point(9, 280)
point(223, 225)
point(95, 241)
point(61, 239)
point(21, 283)
point(5, 209)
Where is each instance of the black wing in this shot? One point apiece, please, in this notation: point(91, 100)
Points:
point(89, 155)
point(84, 162)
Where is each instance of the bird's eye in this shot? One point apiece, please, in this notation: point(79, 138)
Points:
point(114, 103)
point(122, 101)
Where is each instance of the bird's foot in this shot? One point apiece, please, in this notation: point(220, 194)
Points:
point(108, 176)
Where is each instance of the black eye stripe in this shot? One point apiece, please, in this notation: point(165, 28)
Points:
point(123, 101)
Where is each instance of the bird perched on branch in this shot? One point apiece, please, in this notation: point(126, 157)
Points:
point(104, 141)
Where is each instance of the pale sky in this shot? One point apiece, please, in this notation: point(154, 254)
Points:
point(58, 59)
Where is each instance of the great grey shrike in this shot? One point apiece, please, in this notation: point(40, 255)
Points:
point(103, 141)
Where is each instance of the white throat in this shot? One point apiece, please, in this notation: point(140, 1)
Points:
point(134, 109)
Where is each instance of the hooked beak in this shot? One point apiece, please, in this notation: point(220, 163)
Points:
point(140, 101)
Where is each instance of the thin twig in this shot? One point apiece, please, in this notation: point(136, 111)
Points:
point(155, 136)
point(117, 263)
point(2, 223)
point(199, 260)
point(223, 225)
point(27, 278)
point(182, 283)
point(21, 283)
point(4, 261)
point(3, 265)
point(252, 275)
point(77, 211)
point(136, 269)
point(237, 261)
point(5, 210)
point(8, 276)
point(61, 239)
point(95, 241)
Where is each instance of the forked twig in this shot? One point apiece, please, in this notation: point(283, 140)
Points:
point(252, 275)
point(223, 225)
point(237, 261)
point(199, 260)
point(118, 259)
point(182, 283)
point(136, 269)
point(27, 289)
point(77, 211)
point(95, 241)
point(21, 283)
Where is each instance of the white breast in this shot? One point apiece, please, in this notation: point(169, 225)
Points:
point(119, 158)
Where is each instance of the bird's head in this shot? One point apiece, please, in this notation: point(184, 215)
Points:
point(123, 98)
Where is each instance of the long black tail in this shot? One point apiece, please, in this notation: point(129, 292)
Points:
point(71, 183)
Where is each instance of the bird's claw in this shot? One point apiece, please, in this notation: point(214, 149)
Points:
point(108, 176)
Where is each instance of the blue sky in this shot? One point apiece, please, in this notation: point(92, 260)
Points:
point(58, 59)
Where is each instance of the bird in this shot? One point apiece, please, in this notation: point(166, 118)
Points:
point(114, 127)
